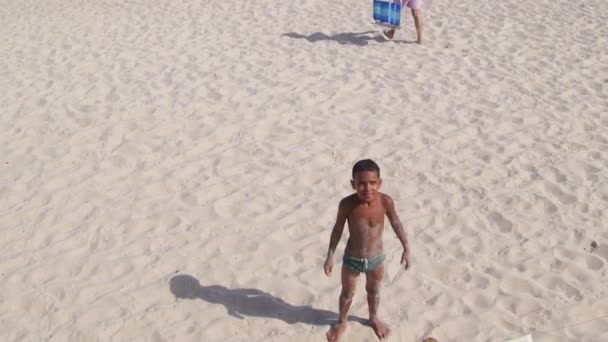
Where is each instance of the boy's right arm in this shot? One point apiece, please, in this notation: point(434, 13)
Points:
point(336, 234)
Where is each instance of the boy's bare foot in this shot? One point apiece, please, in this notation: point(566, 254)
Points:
point(334, 334)
point(419, 40)
point(381, 329)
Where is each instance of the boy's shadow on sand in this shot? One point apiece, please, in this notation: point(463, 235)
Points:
point(354, 38)
point(252, 302)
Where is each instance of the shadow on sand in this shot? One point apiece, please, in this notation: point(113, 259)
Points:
point(252, 302)
point(352, 38)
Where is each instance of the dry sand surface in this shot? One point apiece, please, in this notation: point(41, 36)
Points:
point(170, 170)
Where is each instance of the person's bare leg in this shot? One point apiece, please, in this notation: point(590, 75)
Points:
point(418, 22)
point(372, 285)
point(349, 282)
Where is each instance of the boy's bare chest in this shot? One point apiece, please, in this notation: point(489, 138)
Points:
point(367, 216)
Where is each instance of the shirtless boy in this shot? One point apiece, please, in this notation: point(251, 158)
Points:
point(364, 210)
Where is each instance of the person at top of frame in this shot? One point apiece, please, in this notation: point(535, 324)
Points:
point(414, 5)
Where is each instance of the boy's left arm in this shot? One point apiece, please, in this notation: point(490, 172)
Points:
point(393, 218)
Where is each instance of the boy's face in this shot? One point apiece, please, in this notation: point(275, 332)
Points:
point(367, 184)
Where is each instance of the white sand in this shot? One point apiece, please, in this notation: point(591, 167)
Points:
point(199, 148)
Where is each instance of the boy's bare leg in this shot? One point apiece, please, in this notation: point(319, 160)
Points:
point(418, 22)
point(372, 285)
point(349, 282)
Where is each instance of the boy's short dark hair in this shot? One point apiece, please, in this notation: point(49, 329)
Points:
point(366, 165)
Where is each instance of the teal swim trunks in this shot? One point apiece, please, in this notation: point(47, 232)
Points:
point(363, 265)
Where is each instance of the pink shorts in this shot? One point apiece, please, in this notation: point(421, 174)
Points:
point(413, 4)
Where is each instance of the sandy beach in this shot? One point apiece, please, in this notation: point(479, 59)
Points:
point(171, 170)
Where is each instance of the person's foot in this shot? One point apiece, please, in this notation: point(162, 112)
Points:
point(388, 34)
point(381, 329)
point(334, 334)
point(419, 40)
